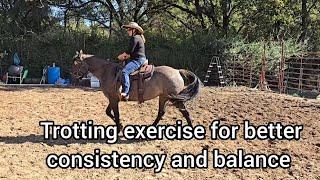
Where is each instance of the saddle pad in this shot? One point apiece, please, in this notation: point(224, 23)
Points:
point(145, 72)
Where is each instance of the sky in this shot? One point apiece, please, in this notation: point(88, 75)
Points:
point(57, 11)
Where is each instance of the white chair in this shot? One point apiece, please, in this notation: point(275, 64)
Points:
point(44, 75)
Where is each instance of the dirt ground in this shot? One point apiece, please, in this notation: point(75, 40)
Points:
point(23, 149)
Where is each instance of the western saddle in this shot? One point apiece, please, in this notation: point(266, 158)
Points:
point(140, 75)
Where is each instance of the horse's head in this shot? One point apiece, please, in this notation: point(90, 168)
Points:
point(79, 67)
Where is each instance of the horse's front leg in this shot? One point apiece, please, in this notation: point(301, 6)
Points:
point(115, 108)
point(109, 112)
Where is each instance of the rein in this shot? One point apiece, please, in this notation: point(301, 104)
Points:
point(78, 73)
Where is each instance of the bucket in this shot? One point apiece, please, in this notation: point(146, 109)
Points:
point(53, 74)
point(94, 81)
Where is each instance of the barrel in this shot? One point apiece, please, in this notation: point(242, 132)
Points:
point(53, 74)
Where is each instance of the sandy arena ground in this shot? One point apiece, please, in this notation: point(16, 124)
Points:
point(23, 150)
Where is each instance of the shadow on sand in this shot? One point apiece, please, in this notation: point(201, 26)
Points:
point(32, 138)
point(43, 89)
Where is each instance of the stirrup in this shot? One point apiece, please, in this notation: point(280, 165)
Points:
point(124, 97)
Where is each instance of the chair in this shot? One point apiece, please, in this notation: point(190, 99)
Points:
point(21, 77)
point(44, 75)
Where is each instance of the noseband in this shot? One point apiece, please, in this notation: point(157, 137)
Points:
point(78, 73)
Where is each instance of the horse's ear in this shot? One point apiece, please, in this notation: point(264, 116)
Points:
point(80, 54)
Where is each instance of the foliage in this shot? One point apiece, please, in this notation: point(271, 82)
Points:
point(182, 34)
point(271, 50)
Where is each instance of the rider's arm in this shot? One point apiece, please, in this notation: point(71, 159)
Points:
point(132, 45)
point(131, 49)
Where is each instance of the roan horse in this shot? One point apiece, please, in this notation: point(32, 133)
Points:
point(166, 82)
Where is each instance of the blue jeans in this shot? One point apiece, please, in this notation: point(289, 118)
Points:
point(129, 68)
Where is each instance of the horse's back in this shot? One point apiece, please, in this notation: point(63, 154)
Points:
point(164, 81)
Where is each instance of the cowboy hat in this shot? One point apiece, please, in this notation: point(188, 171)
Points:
point(133, 25)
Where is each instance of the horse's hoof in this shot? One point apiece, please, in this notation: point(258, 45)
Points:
point(119, 128)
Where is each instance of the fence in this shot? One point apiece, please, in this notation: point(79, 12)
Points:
point(240, 71)
point(302, 74)
point(298, 73)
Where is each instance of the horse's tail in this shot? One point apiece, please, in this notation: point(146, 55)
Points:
point(189, 92)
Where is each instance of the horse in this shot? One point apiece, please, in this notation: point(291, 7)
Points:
point(166, 83)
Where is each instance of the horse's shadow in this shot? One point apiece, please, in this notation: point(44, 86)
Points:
point(33, 138)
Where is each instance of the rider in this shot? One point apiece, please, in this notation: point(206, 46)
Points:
point(135, 55)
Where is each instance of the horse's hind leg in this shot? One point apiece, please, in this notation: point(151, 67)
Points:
point(109, 112)
point(162, 109)
point(184, 111)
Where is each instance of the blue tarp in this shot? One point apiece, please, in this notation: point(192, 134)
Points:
point(16, 59)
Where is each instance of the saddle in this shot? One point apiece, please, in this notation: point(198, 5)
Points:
point(145, 71)
point(139, 76)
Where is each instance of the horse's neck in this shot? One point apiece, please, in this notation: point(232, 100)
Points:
point(99, 67)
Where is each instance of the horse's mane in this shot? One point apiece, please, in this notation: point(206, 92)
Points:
point(98, 59)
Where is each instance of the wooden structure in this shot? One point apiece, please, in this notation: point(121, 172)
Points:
point(240, 71)
point(299, 73)
point(302, 73)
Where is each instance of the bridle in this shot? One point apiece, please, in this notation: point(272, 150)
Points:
point(78, 72)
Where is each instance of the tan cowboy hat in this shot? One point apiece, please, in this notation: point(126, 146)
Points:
point(133, 25)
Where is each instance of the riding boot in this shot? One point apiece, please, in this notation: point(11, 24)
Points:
point(124, 97)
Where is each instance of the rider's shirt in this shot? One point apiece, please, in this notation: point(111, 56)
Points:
point(136, 47)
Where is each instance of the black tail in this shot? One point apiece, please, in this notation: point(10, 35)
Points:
point(191, 91)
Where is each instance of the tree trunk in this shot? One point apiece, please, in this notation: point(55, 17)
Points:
point(110, 26)
point(226, 8)
point(304, 20)
point(200, 14)
point(65, 20)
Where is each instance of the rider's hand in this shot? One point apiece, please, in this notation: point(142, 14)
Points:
point(121, 57)
point(126, 56)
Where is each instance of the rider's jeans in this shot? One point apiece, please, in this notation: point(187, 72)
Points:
point(129, 68)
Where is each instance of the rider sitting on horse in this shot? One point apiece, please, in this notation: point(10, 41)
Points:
point(135, 56)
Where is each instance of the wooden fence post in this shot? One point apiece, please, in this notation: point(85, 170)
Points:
point(281, 69)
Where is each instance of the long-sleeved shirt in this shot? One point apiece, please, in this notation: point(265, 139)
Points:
point(136, 48)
